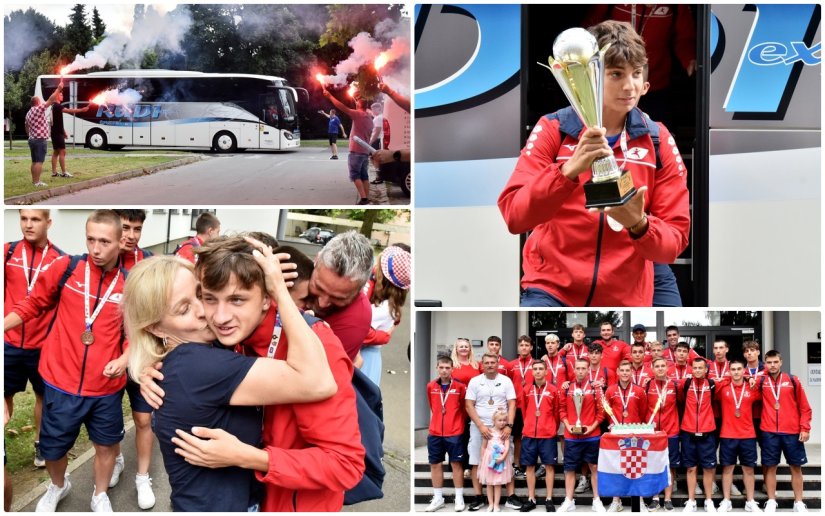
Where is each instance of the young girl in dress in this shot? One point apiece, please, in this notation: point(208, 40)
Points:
point(496, 468)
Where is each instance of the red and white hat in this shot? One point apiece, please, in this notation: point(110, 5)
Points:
point(396, 264)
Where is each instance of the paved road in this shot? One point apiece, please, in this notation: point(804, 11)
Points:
point(396, 391)
point(305, 176)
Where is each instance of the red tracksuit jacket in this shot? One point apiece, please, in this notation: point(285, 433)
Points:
point(31, 334)
point(130, 259)
point(641, 375)
point(315, 450)
point(614, 351)
point(546, 424)
point(187, 248)
point(592, 410)
point(559, 365)
point(65, 362)
point(636, 403)
point(521, 384)
point(452, 422)
point(698, 417)
point(667, 418)
point(794, 412)
point(737, 427)
point(571, 253)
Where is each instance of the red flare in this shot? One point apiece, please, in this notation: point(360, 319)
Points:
point(320, 78)
point(353, 89)
point(381, 60)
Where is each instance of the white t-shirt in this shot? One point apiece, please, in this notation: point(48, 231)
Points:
point(482, 390)
point(378, 122)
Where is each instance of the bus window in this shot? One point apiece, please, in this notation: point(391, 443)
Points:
point(287, 105)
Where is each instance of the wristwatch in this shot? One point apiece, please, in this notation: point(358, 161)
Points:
point(396, 155)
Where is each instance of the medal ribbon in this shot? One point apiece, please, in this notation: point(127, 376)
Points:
point(624, 401)
point(537, 398)
point(778, 390)
point(552, 370)
point(444, 396)
point(276, 336)
point(590, 375)
point(522, 370)
point(30, 284)
point(737, 403)
point(90, 319)
point(698, 398)
point(716, 369)
point(638, 380)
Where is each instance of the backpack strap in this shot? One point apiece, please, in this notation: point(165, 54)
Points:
point(147, 253)
point(682, 405)
point(73, 261)
point(10, 252)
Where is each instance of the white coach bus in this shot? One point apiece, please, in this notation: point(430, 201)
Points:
point(224, 112)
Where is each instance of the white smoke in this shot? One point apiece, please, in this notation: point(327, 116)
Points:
point(155, 29)
point(115, 97)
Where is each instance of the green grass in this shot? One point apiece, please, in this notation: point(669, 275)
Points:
point(318, 143)
point(17, 174)
point(20, 447)
point(21, 149)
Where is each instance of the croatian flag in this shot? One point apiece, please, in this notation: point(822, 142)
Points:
point(633, 465)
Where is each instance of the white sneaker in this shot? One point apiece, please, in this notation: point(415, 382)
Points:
point(734, 491)
point(598, 506)
point(800, 507)
point(752, 506)
point(119, 465)
point(583, 485)
point(690, 506)
point(459, 504)
point(771, 505)
point(146, 498)
point(698, 490)
point(709, 507)
point(435, 504)
point(101, 503)
point(725, 506)
point(567, 506)
point(49, 501)
point(615, 506)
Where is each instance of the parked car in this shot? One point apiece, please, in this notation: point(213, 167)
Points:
point(317, 235)
point(398, 173)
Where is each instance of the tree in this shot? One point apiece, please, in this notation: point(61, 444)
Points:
point(346, 21)
point(98, 27)
point(17, 97)
point(12, 99)
point(78, 33)
point(367, 217)
point(26, 33)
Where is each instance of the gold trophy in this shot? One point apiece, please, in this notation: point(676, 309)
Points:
point(578, 398)
point(609, 411)
point(578, 66)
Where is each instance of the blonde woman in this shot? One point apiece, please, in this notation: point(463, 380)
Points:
point(207, 385)
point(465, 364)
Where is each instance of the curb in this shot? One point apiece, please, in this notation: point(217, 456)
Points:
point(22, 501)
point(43, 195)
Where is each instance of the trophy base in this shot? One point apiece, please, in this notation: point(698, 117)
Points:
point(577, 430)
point(609, 193)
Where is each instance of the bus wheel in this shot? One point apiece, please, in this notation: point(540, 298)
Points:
point(224, 142)
point(96, 139)
point(406, 184)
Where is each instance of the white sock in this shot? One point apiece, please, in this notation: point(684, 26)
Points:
point(438, 493)
point(141, 475)
point(459, 493)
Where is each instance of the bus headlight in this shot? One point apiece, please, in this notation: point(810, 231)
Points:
point(288, 136)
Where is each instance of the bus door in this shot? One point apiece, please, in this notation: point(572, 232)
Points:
point(270, 115)
point(290, 132)
point(141, 125)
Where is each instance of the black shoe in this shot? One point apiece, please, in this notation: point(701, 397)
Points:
point(548, 506)
point(377, 181)
point(513, 502)
point(528, 506)
point(363, 201)
point(477, 504)
point(333, 157)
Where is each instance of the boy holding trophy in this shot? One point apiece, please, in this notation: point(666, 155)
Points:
point(588, 186)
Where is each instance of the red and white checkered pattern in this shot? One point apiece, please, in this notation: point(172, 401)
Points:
point(633, 463)
point(37, 123)
point(396, 264)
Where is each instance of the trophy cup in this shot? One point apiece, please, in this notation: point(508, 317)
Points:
point(578, 398)
point(578, 66)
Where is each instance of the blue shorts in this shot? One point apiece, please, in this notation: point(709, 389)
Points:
point(453, 446)
point(773, 444)
point(19, 367)
point(578, 452)
point(665, 288)
point(136, 399)
point(698, 451)
point(38, 147)
point(545, 448)
point(63, 414)
point(731, 449)
point(536, 297)
point(358, 166)
point(673, 451)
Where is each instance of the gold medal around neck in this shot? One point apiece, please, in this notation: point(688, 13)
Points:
point(538, 413)
point(776, 406)
point(738, 414)
point(490, 402)
point(625, 414)
point(87, 338)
